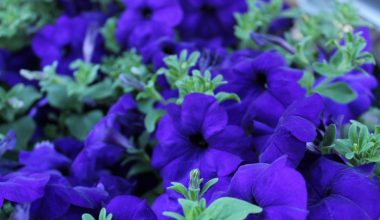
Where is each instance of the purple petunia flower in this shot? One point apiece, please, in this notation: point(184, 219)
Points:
point(143, 16)
point(337, 191)
point(166, 202)
point(251, 76)
point(208, 19)
point(44, 157)
point(277, 188)
point(289, 136)
point(63, 43)
point(60, 197)
point(260, 79)
point(12, 62)
point(109, 139)
point(155, 51)
point(21, 187)
point(129, 207)
point(72, 7)
point(197, 135)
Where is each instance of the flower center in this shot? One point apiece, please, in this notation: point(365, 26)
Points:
point(146, 12)
point(168, 49)
point(198, 140)
point(208, 9)
point(261, 80)
point(66, 50)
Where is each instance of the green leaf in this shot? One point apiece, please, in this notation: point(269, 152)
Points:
point(98, 91)
point(17, 101)
point(179, 188)
point(80, 125)
point(339, 92)
point(307, 80)
point(20, 19)
point(227, 208)
point(353, 132)
point(349, 155)
point(363, 135)
point(85, 73)
point(24, 128)
point(191, 209)
point(179, 66)
point(87, 217)
point(375, 159)
point(327, 70)
point(139, 168)
point(152, 118)
point(342, 146)
point(330, 135)
point(208, 185)
point(108, 32)
point(174, 215)
point(102, 216)
point(223, 96)
point(58, 97)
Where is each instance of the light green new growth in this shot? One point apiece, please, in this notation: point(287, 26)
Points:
point(179, 77)
point(203, 83)
point(311, 36)
point(361, 146)
point(178, 67)
point(19, 19)
point(194, 205)
point(257, 19)
point(102, 216)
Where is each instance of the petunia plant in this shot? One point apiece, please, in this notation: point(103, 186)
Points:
point(200, 82)
point(179, 76)
point(71, 95)
point(194, 205)
point(19, 19)
point(178, 67)
point(348, 57)
point(361, 146)
point(112, 109)
point(258, 18)
point(342, 50)
point(14, 105)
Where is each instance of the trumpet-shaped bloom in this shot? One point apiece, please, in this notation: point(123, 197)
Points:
point(147, 16)
point(337, 191)
point(296, 127)
point(63, 43)
point(197, 135)
point(277, 188)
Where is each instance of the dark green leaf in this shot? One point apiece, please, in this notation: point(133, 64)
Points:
point(80, 125)
point(339, 92)
point(330, 135)
point(24, 128)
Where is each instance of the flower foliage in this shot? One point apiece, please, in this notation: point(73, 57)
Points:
point(187, 110)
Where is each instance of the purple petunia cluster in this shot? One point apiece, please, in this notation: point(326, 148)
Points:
point(122, 100)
